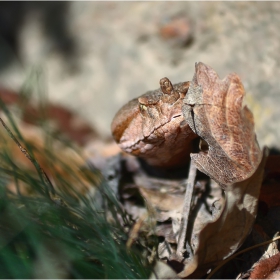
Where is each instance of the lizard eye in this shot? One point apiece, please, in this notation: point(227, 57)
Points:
point(142, 107)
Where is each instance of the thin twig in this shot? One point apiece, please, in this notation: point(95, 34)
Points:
point(186, 210)
point(133, 235)
point(33, 160)
point(239, 253)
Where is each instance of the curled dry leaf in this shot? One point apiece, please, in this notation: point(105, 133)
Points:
point(213, 109)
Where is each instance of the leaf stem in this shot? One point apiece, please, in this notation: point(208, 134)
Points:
point(186, 209)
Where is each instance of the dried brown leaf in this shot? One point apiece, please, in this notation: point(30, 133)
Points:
point(165, 200)
point(267, 269)
point(225, 234)
point(213, 109)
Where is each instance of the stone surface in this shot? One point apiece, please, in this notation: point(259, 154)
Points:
point(119, 51)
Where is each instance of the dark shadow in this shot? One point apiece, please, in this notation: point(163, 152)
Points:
point(55, 19)
point(11, 18)
point(274, 151)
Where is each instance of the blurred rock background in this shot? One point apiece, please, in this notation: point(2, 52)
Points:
point(93, 57)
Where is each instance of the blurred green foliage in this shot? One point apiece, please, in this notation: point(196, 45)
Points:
point(51, 234)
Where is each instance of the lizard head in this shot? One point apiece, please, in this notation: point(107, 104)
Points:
point(152, 126)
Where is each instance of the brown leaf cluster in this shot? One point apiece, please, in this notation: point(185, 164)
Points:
point(213, 109)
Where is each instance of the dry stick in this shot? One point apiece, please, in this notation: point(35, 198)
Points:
point(133, 235)
point(237, 254)
point(186, 210)
point(33, 160)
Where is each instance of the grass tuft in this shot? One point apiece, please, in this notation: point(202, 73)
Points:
point(53, 228)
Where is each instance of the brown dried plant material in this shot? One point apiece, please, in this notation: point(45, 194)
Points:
point(267, 269)
point(213, 109)
point(61, 119)
point(227, 231)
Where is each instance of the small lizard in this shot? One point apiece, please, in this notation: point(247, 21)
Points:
point(153, 127)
